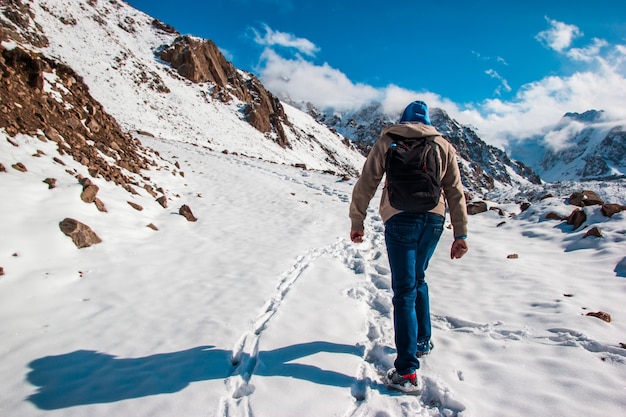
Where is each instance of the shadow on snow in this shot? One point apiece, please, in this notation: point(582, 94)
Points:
point(89, 377)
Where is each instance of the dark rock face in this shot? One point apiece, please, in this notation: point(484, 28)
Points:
point(200, 61)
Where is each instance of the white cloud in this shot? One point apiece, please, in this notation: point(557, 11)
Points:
point(588, 53)
point(504, 84)
point(599, 84)
point(559, 36)
point(303, 81)
point(274, 38)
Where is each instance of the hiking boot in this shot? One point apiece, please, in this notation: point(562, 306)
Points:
point(406, 383)
point(424, 348)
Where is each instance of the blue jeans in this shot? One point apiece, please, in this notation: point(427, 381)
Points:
point(411, 240)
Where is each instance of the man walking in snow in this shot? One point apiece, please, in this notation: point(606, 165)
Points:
point(411, 237)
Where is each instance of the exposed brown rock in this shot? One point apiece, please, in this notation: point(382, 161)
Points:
point(52, 182)
point(476, 207)
point(498, 209)
point(150, 190)
point(89, 193)
point(100, 205)
point(152, 226)
point(185, 211)
point(2, 168)
point(594, 231)
point(585, 198)
point(162, 201)
point(80, 233)
point(524, 206)
point(58, 161)
point(608, 210)
point(577, 218)
point(200, 61)
point(20, 167)
point(554, 216)
point(601, 315)
point(135, 206)
point(27, 109)
point(1, 271)
point(512, 256)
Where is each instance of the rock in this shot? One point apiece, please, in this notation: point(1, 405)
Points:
point(498, 209)
point(52, 182)
point(2, 168)
point(80, 233)
point(608, 210)
point(477, 207)
point(577, 218)
point(162, 201)
point(1, 271)
point(58, 161)
point(513, 256)
point(524, 206)
point(152, 226)
point(135, 206)
point(185, 211)
point(594, 231)
point(89, 193)
point(20, 167)
point(601, 315)
point(554, 216)
point(100, 205)
point(585, 198)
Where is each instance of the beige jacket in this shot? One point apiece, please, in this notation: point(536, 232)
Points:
point(374, 169)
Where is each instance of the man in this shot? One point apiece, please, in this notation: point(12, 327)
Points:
point(411, 238)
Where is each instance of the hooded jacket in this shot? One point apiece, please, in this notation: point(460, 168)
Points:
point(374, 169)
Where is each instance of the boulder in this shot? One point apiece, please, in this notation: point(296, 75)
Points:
point(585, 198)
point(608, 210)
point(594, 231)
point(185, 211)
point(601, 315)
point(476, 207)
point(577, 218)
point(52, 182)
point(89, 193)
point(80, 233)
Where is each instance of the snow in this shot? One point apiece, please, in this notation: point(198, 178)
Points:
point(264, 307)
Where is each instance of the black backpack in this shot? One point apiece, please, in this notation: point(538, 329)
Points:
point(413, 171)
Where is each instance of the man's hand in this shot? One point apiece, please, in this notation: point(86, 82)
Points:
point(459, 248)
point(357, 236)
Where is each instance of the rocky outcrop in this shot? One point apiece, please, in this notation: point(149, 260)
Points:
point(66, 114)
point(200, 61)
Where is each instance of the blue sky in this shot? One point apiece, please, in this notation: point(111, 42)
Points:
point(498, 65)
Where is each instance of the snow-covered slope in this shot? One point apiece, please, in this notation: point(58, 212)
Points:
point(264, 307)
point(580, 147)
point(112, 46)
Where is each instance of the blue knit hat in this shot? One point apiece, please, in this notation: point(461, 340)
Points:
point(416, 112)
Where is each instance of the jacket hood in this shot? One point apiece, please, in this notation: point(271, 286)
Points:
point(412, 130)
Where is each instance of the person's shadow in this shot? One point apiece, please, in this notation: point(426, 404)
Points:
point(88, 377)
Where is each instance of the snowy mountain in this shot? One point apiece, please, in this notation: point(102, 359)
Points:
point(484, 168)
point(164, 253)
point(580, 147)
point(153, 80)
